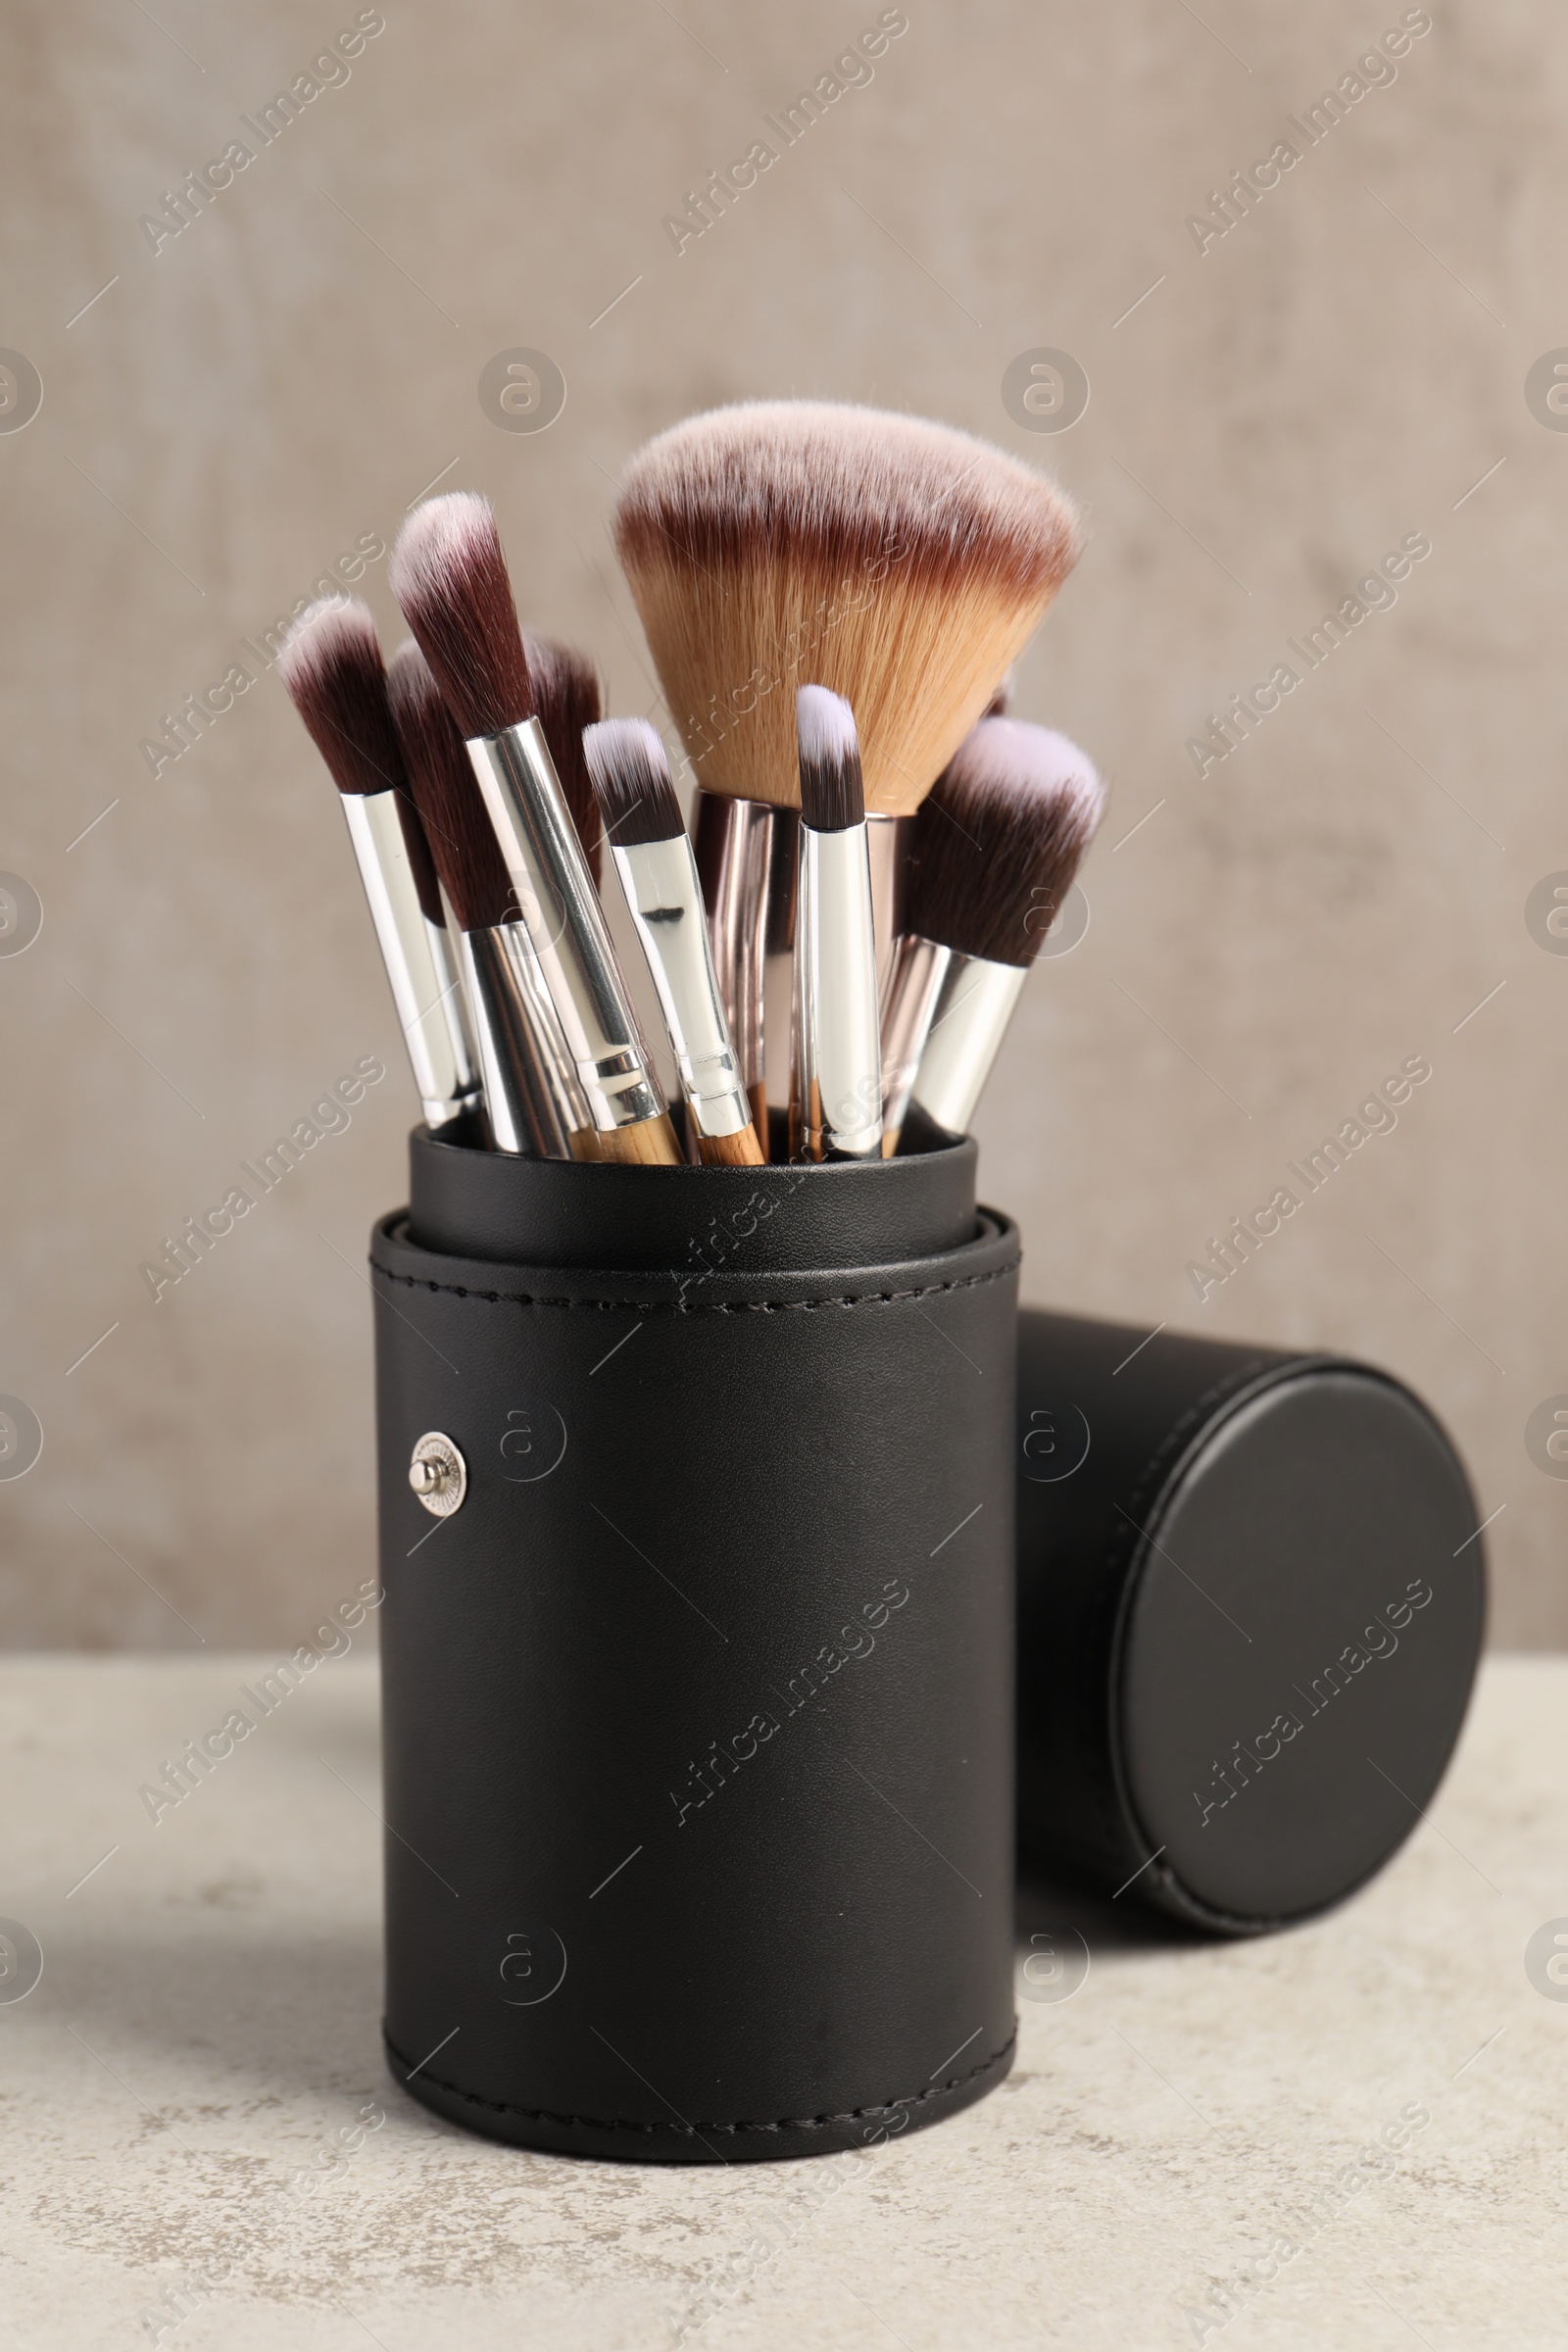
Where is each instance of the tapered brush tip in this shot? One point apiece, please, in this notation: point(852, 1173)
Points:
point(998, 844)
point(456, 823)
point(331, 667)
point(832, 797)
point(449, 573)
point(631, 774)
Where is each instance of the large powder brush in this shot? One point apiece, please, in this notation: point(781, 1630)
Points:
point(897, 562)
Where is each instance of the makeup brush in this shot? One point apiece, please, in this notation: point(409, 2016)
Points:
point(899, 563)
point(735, 844)
point(331, 667)
point(448, 574)
point(533, 1100)
point(567, 699)
point(642, 824)
point(836, 1102)
point(995, 852)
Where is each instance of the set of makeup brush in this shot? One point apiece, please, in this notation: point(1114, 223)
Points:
point(833, 598)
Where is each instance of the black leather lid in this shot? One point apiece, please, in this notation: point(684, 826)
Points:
point(1252, 1602)
point(466, 1202)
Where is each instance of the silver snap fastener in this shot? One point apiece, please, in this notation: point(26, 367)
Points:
point(438, 1474)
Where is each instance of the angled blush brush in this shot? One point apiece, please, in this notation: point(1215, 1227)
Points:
point(642, 824)
point(836, 1101)
point(331, 667)
point(448, 574)
point(995, 853)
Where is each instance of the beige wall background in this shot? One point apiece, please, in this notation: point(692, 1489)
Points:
point(1268, 418)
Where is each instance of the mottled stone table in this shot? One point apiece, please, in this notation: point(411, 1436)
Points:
point(1351, 2136)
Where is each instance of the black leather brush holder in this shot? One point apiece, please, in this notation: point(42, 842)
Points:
point(699, 1703)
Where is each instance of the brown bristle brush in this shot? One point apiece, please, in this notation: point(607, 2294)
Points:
point(897, 562)
point(450, 576)
point(995, 852)
point(331, 667)
point(567, 699)
point(642, 824)
point(533, 1102)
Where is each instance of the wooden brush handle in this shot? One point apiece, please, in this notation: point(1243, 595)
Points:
point(741, 1150)
point(646, 1143)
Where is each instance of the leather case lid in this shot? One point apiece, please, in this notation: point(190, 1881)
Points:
point(1290, 1692)
point(1264, 1587)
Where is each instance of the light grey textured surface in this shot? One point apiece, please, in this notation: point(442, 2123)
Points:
point(279, 380)
point(206, 2027)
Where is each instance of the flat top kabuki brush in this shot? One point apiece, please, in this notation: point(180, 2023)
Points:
point(897, 562)
point(994, 855)
point(331, 667)
point(836, 1100)
point(448, 574)
point(642, 824)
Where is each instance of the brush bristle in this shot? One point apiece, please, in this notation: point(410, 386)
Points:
point(331, 667)
point(630, 774)
point(998, 844)
point(448, 574)
point(421, 864)
point(457, 824)
point(567, 699)
point(832, 797)
point(899, 563)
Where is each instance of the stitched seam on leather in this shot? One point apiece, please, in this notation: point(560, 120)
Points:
point(788, 2123)
point(676, 1306)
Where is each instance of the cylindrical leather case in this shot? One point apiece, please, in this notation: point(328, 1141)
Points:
point(1251, 1598)
point(698, 1708)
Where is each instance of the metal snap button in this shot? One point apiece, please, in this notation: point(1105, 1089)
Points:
point(438, 1474)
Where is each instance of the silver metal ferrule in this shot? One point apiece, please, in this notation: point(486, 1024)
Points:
point(974, 1003)
point(778, 963)
point(734, 840)
point(665, 899)
point(886, 840)
point(419, 959)
point(566, 926)
point(908, 1002)
point(532, 1098)
point(836, 1105)
point(747, 856)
